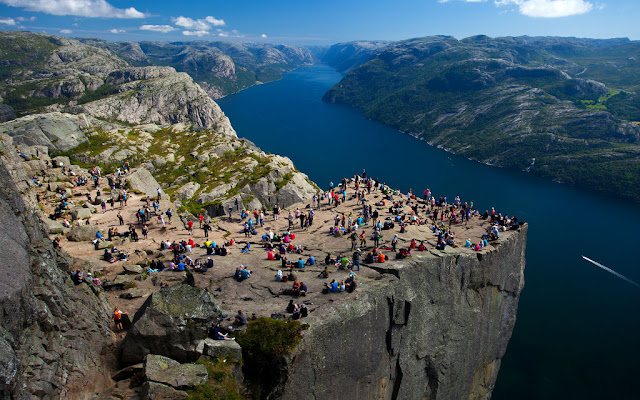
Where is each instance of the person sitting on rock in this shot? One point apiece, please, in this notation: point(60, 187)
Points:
point(333, 286)
point(240, 319)
point(302, 290)
point(422, 247)
point(244, 273)
point(108, 256)
point(279, 276)
point(198, 267)
point(310, 261)
point(215, 332)
point(295, 316)
point(291, 306)
point(325, 273)
point(77, 277)
point(246, 248)
point(295, 290)
point(300, 263)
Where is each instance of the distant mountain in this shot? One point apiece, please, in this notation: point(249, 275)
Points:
point(220, 68)
point(346, 56)
point(562, 108)
point(44, 73)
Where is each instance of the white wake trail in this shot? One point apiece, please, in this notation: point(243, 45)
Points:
point(612, 271)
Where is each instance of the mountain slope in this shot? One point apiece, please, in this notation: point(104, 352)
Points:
point(511, 102)
point(49, 73)
point(220, 68)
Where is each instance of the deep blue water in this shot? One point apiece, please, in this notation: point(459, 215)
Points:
point(577, 331)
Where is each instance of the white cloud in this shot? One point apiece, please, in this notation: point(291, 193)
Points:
point(114, 30)
point(23, 19)
point(66, 31)
point(198, 33)
point(157, 28)
point(215, 22)
point(263, 36)
point(223, 34)
point(82, 8)
point(549, 8)
point(197, 25)
point(7, 21)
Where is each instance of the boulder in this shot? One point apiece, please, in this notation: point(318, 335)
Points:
point(154, 391)
point(128, 372)
point(103, 244)
point(170, 323)
point(141, 180)
point(119, 282)
point(61, 162)
point(82, 233)
point(133, 293)
point(132, 269)
point(53, 226)
point(164, 370)
point(54, 130)
point(6, 113)
point(116, 193)
point(168, 277)
point(98, 200)
point(188, 190)
point(80, 213)
point(221, 349)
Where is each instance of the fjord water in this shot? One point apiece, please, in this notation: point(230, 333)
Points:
point(577, 329)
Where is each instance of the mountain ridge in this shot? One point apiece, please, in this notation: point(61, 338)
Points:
point(509, 103)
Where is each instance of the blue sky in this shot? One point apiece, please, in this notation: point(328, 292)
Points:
point(320, 22)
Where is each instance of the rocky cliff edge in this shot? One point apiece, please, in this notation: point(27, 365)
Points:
point(435, 327)
point(55, 340)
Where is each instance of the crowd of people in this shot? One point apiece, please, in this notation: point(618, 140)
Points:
point(371, 228)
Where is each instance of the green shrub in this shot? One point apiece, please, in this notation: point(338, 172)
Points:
point(221, 385)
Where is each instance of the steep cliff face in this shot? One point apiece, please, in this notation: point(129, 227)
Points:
point(54, 336)
point(435, 327)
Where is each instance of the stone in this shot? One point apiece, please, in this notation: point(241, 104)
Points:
point(168, 277)
point(132, 269)
point(158, 391)
point(128, 372)
point(119, 282)
point(53, 226)
point(164, 370)
point(170, 323)
point(80, 213)
point(187, 190)
point(82, 233)
point(103, 244)
point(141, 180)
point(222, 349)
point(61, 161)
point(6, 113)
point(52, 333)
point(116, 193)
point(56, 131)
point(133, 293)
